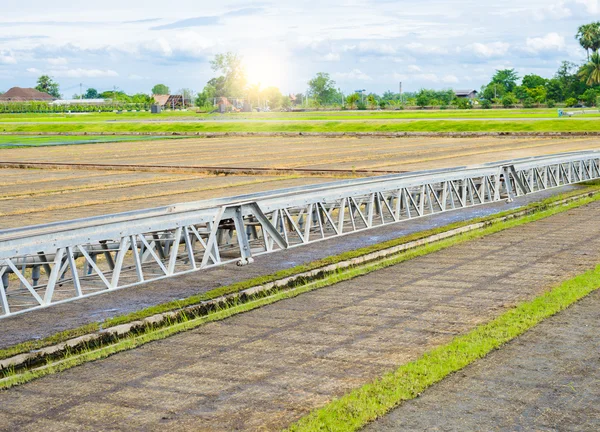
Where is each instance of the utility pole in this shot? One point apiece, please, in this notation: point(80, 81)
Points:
point(401, 92)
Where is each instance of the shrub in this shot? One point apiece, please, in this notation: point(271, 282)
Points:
point(589, 97)
point(463, 103)
point(361, 106)
point(486, 104)
point(382, 104)
point(509, 100)
point(528, 103)
point(550, 103)
point(571, 102)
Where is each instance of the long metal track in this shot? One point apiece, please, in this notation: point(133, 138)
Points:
point(55, 263)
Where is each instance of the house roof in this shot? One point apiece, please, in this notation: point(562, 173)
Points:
point(19, 94)
point(161, 99)
point(464, 92)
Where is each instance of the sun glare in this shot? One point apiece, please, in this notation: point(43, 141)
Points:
point(265, 70)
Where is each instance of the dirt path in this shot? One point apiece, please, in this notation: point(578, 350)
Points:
point(266, 368)
point(548, 379)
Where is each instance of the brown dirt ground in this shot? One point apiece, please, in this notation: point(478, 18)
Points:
point(546, 380)
point(398, 154)
point(35, 196)
point(266, 368)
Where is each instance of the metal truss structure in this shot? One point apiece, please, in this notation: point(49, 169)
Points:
point(55, 263)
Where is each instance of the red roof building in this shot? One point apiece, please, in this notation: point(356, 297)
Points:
point(18, 94)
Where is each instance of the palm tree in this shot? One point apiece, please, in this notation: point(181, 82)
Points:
point(588, 36)
point(372, 101)
point(590, 72)
point(352, 99)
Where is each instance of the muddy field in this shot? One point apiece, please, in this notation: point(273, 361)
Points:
point(396, 154)
point(35, 196)
point(29, 196)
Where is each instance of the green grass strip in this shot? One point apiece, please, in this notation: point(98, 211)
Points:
point(367, 125)
point(361, 406)
point(28, 346)
point(130, 342)
point(26, 141)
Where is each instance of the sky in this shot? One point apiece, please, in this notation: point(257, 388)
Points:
point(371, 45)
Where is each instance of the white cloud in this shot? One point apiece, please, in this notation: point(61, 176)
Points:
point(137, 77)
point(414, 68)
point(592, 6)
point(568, 9)
point(331, 57)
point(34, 70)
point(550, 42)
point(354, 75)
point(420, 48)
point(490, 50)
point(450, 79)
point(557, 10)
point(7, 57)
point(83, 73)
point(58, 61)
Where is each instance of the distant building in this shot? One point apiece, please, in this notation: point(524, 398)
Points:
point(466, 94)
point(18, 94)
point(170, 101)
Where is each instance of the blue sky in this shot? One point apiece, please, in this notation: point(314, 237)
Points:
point(373, 44)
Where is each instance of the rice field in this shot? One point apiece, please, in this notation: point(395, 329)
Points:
point(35, 196)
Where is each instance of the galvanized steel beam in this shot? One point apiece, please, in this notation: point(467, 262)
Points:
point(55, 263)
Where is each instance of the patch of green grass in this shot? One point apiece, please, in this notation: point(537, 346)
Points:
point(365, 404)
point(292, 116)
point(28, 346)
point(18, 141)
point(340, 126)
point(184, 322)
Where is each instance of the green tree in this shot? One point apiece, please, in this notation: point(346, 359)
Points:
point(486, 104)
point(273, 97)
point(91, 93)
point(533, 81)
point(590, 72)
point(589, 97)
point(425, 97)
point(233, 74)
point(507, 78)
point(538, 94)
point(322, 88)
point(215, 87)
point(48, 85)
point(521, 92)
point(509, 100)
point(570, 102)
point(352, 100)
point(493, 91)
point(160, 89)
point(188, 95)
point(372, 101)
point(571, 84)
point(141, 98)
point(588, 36)
point(554, 90)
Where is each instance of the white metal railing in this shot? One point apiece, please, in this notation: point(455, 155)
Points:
point(55, 263)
